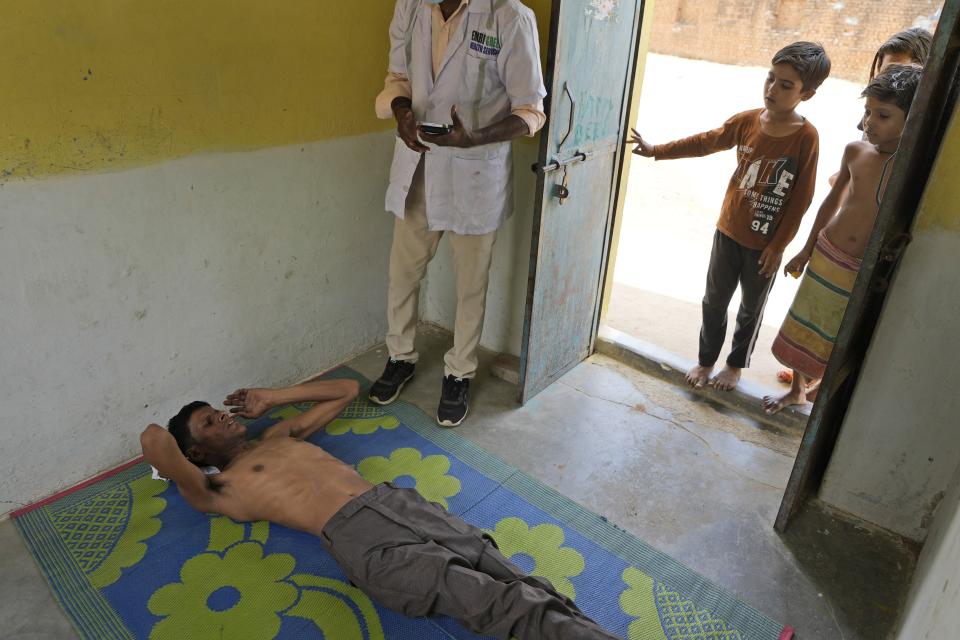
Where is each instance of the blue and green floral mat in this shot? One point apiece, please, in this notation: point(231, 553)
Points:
point(128, 558)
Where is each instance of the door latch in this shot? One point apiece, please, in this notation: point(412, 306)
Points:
point(579, 156)
point(560, 190)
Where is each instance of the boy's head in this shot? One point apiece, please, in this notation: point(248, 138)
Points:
point(796, 72)
point(889, 97)
point(911, 46)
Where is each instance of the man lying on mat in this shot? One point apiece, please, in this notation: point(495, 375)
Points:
point(408, 554)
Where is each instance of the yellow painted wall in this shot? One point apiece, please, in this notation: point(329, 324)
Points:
point(108, 83)
point(940, 208)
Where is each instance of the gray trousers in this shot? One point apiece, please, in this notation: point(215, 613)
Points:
point(732, 264)
point(414, 557)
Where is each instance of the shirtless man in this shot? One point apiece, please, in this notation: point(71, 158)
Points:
point(839, 239)
point(408, 554)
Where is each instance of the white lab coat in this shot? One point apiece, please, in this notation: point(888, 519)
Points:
point(491, 65)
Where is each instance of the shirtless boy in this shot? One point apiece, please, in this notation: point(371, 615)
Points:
point(766, 197)
point(408, 554)
point(838, 239)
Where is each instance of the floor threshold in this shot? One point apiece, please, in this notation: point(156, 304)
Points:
point(653, 360)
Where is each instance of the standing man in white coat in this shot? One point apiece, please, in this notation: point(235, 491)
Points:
point(473, 65)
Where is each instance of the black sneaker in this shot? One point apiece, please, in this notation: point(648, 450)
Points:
point(396, 374)
point(453, 401)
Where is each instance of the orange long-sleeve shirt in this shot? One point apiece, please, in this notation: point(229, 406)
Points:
point(774, 182)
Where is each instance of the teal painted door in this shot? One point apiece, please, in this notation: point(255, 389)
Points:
point(590, 67)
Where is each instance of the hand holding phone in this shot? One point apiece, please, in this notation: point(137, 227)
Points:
point(448, 135)
point(434, 129)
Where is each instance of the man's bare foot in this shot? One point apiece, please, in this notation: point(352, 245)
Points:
point(727, 379)
point(773, 404)
point(697, 377)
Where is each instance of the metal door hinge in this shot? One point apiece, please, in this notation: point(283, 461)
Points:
point(890, 255)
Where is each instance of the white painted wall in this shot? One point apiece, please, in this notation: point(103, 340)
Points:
point(899, 444)
point(933, 609)
point(506, 296)
point(125, 295)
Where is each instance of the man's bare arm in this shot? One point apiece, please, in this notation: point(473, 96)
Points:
point(331, 396)
point(160, 449)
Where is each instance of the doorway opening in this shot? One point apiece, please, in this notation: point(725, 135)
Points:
point(708, 61)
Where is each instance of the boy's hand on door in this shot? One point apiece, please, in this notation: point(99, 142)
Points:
point(643, 147)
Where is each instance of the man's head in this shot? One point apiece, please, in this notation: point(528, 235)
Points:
point(205, 435)
point(911, 46)
point(889, 97)
point(796, 72)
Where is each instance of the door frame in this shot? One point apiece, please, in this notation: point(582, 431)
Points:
point(620, 192)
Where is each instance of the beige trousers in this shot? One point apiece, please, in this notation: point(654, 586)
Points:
point(414, 245)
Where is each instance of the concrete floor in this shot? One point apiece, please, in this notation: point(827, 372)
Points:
point(695, 481)
point(27, 608)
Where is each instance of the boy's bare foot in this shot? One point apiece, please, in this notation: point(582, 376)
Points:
point(697, 377)
point(773, 404)
point(727, 379)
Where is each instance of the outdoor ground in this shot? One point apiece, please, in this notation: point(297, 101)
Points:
point(672, 206)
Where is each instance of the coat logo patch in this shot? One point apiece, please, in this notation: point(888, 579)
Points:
point(482, 43)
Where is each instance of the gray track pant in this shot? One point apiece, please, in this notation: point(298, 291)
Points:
point(413, 557)
point(732, 264)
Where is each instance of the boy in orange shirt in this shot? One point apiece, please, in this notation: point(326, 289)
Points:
point(768, 194)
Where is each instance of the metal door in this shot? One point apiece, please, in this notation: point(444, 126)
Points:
point(590, 67)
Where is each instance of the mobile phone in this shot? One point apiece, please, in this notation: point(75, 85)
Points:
point(435, 129)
